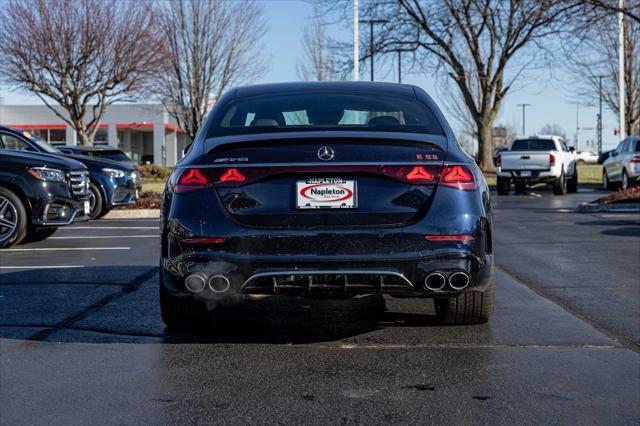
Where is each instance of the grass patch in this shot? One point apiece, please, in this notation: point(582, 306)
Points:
point(588, 174)
point(153, 186)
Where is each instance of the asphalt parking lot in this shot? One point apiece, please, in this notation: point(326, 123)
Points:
point(81, 340)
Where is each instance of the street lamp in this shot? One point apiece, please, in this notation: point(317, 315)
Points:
point(524, 106)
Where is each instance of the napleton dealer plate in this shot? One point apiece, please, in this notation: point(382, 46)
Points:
point(326, 193)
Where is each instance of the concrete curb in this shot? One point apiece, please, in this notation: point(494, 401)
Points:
point(133, 214)
point(610, 208)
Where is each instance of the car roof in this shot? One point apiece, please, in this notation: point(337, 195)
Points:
point(325, 86)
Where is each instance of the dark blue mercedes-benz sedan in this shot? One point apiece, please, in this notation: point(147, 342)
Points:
point(335, 189)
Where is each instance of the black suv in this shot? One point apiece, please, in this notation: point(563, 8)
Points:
point(38, 193)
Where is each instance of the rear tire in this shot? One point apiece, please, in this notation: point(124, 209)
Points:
point(560, 185)
point(625, 180)
point(472, 307)
point(181, 312)
point(520, 187)
point(503, 185)
point(13, 219)
point(606, 183)
point(572, 184)
point(39, 234)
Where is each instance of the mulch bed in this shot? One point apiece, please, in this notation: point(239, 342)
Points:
point(147, 200)
point(631, 195)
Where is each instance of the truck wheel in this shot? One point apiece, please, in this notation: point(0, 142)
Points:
point(182, 312)
point(560, 185)
point(572, 184)
point(95, 201)
point(13, 219)
point(39, 234)
point(503, 185)
point(520, 187)
point(472, 307)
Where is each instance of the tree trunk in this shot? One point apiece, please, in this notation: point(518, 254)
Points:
point(485, 145)
point(83, 138)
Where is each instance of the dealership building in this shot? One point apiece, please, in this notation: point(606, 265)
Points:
point(145, 132)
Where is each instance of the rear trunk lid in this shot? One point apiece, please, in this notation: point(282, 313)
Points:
point(326, 178)
point(525, 160)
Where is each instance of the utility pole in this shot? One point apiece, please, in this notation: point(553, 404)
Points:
point(621, 82)
point(524, 127)
point(371, 46)
point(599, 126)
point(356, 41)
point(399, 66)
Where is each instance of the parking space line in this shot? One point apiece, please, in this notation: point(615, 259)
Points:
point(92, 237)
point(42, 267)
point(65, 249)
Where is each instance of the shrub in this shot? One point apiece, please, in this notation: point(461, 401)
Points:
point(154, 171)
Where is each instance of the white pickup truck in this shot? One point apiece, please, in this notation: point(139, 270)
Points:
point(537, 159)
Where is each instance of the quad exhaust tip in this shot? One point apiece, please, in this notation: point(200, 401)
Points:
point(219, 284)
point(435, 281)
point(195, 283)
point(459, 280)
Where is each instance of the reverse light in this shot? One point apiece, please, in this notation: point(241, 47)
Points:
point(114, 173)
point(552, 160)
point(419, 173)
point(47, 174)
point(449, 238)
point(232, 175)
point(457, 177)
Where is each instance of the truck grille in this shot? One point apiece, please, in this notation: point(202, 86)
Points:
point(79, 183)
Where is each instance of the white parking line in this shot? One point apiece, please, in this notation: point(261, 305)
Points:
point(42, 267)
point(67, 249)
point(109, 227)
point(102, 236)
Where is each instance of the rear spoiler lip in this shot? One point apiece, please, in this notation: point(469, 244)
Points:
point(439, 140)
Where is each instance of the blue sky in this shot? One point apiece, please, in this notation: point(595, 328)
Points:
point(549, 99)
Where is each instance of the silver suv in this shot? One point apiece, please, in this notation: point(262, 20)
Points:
point(623, 165)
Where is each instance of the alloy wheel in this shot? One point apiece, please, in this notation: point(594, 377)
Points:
point(8, 218)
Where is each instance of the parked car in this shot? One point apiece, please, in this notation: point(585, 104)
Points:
point(337, 189)
point(112, 183)
point(105, 152)
point(537, 159)
point(622, 168)
point(586, 157)
point(39, 193)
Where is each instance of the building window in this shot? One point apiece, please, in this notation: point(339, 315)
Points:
point(57, 136)
point(101, 136)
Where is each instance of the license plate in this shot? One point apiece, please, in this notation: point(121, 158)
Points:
point(326, 193)
point(525, 174)
point(87, 207)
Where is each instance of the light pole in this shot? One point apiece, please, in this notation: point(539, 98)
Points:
point(600, 114)
point(621, 82)
point(371, 46)
point(356, 41)
point(524, 128)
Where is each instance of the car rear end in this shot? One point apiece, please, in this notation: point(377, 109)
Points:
point(529, 160)
point(333, 212)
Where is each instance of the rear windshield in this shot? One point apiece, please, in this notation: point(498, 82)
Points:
point(325, 111)
point(533, 145)
point(110, 155)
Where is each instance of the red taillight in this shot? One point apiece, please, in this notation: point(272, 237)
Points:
point(191, 180)
point(232, 175)
point(419, 174)
point(499, 160)
point(552, 160)
point(449, 238)
point(458, 177)
point(203, 240)
point(635, 159)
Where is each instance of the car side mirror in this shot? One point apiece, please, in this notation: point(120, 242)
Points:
point(186, 149)
point(572, 149)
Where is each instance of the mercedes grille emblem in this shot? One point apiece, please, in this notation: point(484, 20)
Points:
point(326, 153)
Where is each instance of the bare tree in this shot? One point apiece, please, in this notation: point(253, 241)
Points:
point(593, 51)
point(596, 7)
point(82, 55)
point(553, 129)
point(210, 45)
point(317, 60)
point(483, 46)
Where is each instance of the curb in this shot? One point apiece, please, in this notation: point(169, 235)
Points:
point(133, 214)
point(610, 208)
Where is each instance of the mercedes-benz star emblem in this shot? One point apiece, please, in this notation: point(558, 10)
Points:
point(326, 153)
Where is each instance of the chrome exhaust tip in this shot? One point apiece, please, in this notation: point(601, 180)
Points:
point(219, 283)
point(459, 280)
point(434, 281)
point(195, 283)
